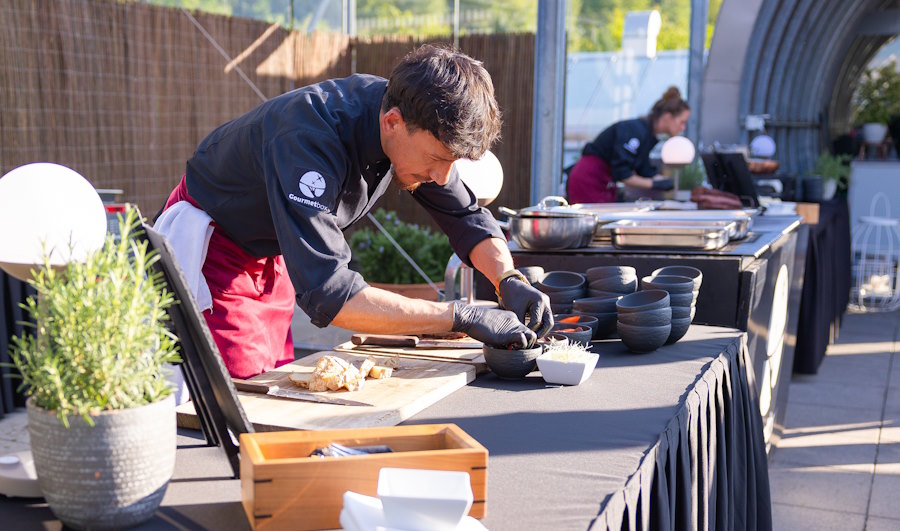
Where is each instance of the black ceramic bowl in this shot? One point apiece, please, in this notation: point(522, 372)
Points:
point(561, 280)
point(614, 284)
point(684, 271)
point(671, 283)
point(679, 329)
point(682, 299)
point(684, 312)
point(623, 272)
point(606, 323)
point(534, 274)
point(578, 319)
point(511, 364)
point(643, 300)
point(643, 338)
point(565, 296)
point(596, 304)
point(580, 334)
point(657, 317)
point(565, 307)
point(601, 294)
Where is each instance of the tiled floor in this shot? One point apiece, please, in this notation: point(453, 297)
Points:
point(838, 464)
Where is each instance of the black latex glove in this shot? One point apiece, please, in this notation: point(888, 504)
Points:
point(524, 299)
point(663, 184)
point(497, 328)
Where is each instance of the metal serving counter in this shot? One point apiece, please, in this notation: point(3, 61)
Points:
point(754, 285)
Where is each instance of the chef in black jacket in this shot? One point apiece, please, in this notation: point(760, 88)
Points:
point(282, 182)
point(622, 153)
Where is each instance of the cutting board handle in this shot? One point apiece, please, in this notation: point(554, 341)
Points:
point(249, 387)
point(384, 340)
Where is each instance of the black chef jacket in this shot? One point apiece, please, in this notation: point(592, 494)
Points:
point(289, 176)
point(625, 146)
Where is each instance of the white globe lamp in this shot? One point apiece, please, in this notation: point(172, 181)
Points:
point(484, 176)
point(762, 146)
point(677, 152)
point(47, 210)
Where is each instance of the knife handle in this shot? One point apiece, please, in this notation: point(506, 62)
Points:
point(250, 387)
point(384, 340)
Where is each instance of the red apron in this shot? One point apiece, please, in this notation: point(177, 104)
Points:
point(590, 181)
point(253, 303)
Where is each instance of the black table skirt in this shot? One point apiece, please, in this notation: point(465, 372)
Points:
point(826, 285)
point(12, 293)
point(667, 440)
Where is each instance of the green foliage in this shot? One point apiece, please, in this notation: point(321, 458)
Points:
point(379, 261)
point(694, 174)
point(99, 337)
point(877, 97)
point(833, 168)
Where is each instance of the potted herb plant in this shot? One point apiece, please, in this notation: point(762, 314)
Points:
point(101, 416)
point(876, 100)
point(834, 171)
point(383, 266)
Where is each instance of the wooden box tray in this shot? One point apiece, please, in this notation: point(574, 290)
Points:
point(283, 488)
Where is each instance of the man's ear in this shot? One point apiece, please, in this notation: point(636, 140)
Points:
point(391, 119)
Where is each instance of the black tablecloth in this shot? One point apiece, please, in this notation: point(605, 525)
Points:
point(826, 285)
point(667, 440)
point(12, 293)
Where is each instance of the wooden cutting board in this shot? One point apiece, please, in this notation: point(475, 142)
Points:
point(473, 356)
point(415, 385)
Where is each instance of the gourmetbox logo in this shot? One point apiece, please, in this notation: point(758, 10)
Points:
point(633, 145)
point(312, 185)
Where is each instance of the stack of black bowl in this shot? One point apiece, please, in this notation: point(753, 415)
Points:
point(683, 285)
point(611, 279)
point(562, 287)
point(603, 308)
point(644, 320)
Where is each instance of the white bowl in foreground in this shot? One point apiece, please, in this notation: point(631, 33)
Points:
point(573, 371)
point(424, 499)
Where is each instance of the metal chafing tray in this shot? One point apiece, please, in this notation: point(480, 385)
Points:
point(706, 235)
point(742, 218)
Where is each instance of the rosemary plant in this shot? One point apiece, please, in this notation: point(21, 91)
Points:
point(99, 340)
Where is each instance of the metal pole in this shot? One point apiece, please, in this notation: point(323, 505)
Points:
point(351, 18)
point(699, 15)
point(456, 24)
point(549, 92)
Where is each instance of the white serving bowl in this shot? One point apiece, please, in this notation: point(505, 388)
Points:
point(424, 499)
point(566, 372)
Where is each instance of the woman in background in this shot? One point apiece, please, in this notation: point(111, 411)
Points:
point(622, 153)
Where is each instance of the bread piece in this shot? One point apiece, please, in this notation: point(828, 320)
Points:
point(365, 366)
point(329, 374)
point(380, 373)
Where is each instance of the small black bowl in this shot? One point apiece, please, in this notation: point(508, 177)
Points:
point(578, 319)
point(679, 329)
point(643, 300)
point(683, 271)
point(582, 334)
point(511, 364)
point(564, 307)
point(644, 338)
point(657, 317)
point(565, 296)
point(606, 323)
point(614, 284)
point(596, 304)
point(622, 272)
point(672, 283)
point(534, 274)
point(561, 280)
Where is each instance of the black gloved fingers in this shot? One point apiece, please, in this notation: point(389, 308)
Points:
point(541, 319)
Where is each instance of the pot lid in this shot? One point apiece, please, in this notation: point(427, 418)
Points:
point(545, 209)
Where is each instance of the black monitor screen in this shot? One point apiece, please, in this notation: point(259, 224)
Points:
point(729, 172)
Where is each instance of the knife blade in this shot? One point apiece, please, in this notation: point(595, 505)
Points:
point(390, 340)
point(273, 390)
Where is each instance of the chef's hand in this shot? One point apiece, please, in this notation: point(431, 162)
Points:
point(663, 184)
point(524, 299)
point(497, 328)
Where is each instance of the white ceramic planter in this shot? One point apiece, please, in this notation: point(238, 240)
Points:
point(109, 476)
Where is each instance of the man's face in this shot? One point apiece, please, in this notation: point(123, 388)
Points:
point(416, 157)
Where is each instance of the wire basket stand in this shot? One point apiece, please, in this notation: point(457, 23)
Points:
point(876, 257)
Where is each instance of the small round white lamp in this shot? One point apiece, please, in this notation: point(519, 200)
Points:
point(762, 146)
point(677, 151)
point(484, 177)
point(47, 209)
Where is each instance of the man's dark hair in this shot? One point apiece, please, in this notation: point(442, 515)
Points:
point(448, 94)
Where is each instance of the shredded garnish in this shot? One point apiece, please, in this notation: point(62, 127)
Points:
point(566, 352)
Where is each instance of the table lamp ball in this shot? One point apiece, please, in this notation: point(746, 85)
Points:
point(46, 208)
point(677, 150)
point(484, 176)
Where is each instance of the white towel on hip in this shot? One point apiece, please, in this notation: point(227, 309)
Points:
point(188, 230)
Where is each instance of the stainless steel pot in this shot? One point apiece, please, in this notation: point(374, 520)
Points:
point(550, 228)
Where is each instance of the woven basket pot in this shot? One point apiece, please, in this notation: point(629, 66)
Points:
point(109, 476)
